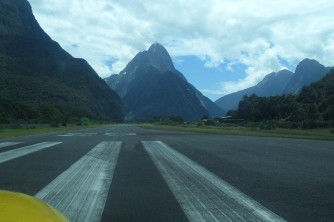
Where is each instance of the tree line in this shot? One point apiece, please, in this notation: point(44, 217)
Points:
point(313, 107)
point(15, 113)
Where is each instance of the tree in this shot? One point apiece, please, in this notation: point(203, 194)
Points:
point(308, 95)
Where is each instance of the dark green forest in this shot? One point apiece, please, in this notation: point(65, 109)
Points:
point(14, 113)
point(313, 107)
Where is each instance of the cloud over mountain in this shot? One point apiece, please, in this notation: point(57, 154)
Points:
point(222, 33)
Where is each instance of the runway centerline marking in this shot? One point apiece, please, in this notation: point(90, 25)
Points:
point(5, 144)
point(13, 154)
point(81, 191)
point(120, 134)
point(202, 195)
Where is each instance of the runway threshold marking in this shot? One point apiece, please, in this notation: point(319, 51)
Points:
point(202, 195)
point(13, 154)
point(2, 145)
point(81, 191)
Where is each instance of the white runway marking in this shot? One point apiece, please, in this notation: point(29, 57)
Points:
point(81, 191)
point(13, 154)
point(120, 134)
point(202, 195)
point(69, 134)
point(77, 134)
point(2, 145)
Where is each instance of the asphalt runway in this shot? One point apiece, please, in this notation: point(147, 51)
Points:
point(126, 173)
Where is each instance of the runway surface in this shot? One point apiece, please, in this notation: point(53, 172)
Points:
point(126, 173)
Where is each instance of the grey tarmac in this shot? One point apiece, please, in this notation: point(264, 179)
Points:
point(126, 173)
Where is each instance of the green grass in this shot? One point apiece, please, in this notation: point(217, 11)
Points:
point(10, 133)
point(317, 134)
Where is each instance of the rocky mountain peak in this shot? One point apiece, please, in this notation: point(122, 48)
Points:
point(157, 48)
point(307, 71)
point(308, 65)
point(160, 58)
point(150, 86)
point(156, 56)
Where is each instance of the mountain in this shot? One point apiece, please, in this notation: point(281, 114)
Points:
point(276, 84)
point(36, 73)
point(313, 107)
point(150, 86)
point(272, 85)
point(318, 98)
point(307, 72)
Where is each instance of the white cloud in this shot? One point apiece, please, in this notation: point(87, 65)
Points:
point(256, 33)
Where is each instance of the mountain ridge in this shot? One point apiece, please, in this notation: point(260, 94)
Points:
point(271, 85)
point(280, 83)
point(307, 72)
point(150, 86)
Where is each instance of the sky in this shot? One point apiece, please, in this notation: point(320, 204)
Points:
point(221, 46)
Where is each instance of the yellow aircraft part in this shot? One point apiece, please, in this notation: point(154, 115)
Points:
point(17, 207)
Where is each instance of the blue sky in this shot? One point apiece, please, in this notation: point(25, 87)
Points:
point(221, 46)
point(207, 79)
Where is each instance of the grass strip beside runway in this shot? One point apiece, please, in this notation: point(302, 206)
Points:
point(314, 134)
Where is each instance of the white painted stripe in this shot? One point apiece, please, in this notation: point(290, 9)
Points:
point(2, 145)
point(13, 154)
point(69, 134)
point(76, 134)
point(120, 134)
point(202, 195)
point(81, 191)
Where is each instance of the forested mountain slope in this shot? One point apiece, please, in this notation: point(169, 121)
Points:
point(312, 107)
point(37, 74)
